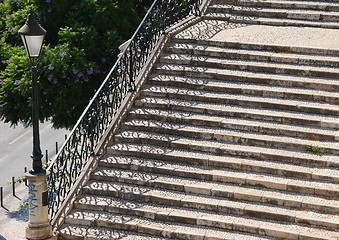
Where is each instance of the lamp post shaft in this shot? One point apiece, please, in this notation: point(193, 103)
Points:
point(36, 153)
point(32, 35)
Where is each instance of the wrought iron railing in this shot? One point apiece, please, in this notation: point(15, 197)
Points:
point(87, 133)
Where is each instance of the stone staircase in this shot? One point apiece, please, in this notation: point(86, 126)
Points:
point(299, 13)
point(228, 140)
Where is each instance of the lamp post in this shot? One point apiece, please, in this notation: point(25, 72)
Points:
point(32, 35)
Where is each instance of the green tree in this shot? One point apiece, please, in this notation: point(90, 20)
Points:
point(80, 48)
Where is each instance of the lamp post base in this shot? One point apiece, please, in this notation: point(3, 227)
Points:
point(38, 223)
point(38, 231)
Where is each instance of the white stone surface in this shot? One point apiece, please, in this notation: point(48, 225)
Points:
point(296, 36)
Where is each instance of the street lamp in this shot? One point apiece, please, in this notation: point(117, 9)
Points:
point(32, 35)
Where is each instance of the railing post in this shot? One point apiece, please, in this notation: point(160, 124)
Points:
point(131, 66)
point(196, 7)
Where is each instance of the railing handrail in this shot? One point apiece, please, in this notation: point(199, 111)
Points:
point(102, 108)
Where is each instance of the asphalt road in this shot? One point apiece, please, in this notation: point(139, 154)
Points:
point(16, 148)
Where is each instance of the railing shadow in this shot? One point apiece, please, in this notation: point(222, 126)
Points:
point(207, 29)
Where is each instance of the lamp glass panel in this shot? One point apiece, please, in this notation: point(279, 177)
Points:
point(33, 44)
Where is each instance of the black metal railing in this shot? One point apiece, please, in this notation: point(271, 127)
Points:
point(87, 133)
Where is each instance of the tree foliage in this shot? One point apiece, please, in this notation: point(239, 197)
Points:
point(81, 46)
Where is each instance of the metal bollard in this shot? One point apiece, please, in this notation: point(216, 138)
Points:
point(25, 177)
point(2, 197)
point(13, 186)
point(46, 156)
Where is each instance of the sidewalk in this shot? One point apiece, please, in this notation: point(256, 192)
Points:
point(13, 219)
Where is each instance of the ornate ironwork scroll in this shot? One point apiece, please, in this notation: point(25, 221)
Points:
point(87, 133)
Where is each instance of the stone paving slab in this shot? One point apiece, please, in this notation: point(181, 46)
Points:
point(263, 34)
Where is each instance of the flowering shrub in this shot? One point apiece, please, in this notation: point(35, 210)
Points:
point(80, 48)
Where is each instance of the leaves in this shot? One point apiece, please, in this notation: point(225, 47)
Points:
point(80, 48)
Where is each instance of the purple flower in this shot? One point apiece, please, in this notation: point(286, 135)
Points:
point(75, 71)
point(49, 10)
point(62, 54)
point(3, 62)
point(55, 80)
point(86, 79)
point(90, 71)
point(17, 82)
point(17, 1)
point(30, 104)
point(80, 74)
point(1, 81)
point(48, 1)
point(50, 77)
point(5, 94)
point(51, 67)
point(63, 75)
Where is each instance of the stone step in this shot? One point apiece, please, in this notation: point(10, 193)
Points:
point(157, 228)
point(322, 5)
point(241, 100)
point(95, 231)
point(264, 67)
point(251, 46)
point(227, 136)
point(251, 54)
point(233, 123)
point(227, 75)
point(212, 85)
point(241, 151)
point(202, 218)
point(225, 190)
point(243, 19)
point(221, 110)
point(173, 159)
point(217, 205)
point(273, 12)
point(312, 187)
